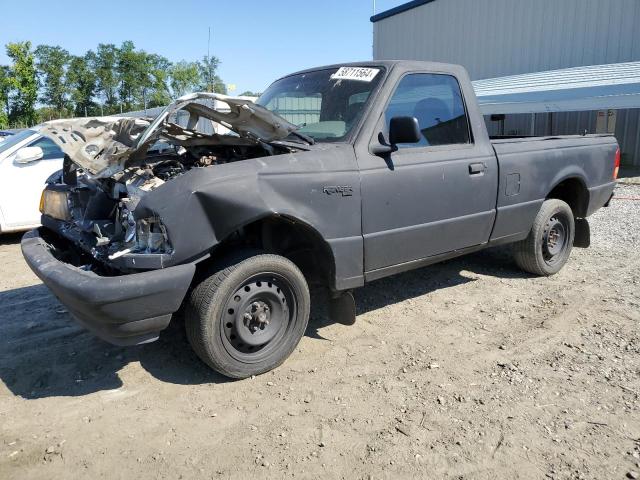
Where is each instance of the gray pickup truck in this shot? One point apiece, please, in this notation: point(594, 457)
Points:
point(336, 176)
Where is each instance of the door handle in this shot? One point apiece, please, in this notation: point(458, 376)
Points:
point(477, 168)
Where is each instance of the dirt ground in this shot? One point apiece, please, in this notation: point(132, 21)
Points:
point(468, 369)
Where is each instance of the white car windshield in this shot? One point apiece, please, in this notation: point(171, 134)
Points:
point(13, 140)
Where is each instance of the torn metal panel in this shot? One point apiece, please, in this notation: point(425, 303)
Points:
point(104, 146)
point(245, 118)
point(96, 144)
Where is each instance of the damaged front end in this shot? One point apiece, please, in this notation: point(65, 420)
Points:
point(97, 217)
point(112, 163)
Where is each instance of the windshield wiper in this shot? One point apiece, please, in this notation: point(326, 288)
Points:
point(304, 137)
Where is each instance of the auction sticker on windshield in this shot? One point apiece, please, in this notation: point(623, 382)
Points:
point(361, 74)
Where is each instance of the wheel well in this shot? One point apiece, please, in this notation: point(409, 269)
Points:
point(574, 192)
point(288, 237)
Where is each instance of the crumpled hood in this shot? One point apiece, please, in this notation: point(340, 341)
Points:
point(246, 118)
point(103, 146)
point(100, 145)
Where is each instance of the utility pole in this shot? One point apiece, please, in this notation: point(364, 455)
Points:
point(144, 99)
point(209, 72)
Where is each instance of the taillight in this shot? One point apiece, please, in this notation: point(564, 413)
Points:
point(616, 164)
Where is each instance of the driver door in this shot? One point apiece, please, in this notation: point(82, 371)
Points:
point(431, 197)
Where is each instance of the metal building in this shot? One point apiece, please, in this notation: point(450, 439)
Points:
point(495, 38)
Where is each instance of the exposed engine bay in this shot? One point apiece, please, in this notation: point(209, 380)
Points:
point(111, 163)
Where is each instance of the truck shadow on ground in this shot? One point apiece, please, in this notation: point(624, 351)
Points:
point(43, 353)
point(11, 238)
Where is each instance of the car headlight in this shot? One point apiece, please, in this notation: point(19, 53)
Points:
point(55, 204)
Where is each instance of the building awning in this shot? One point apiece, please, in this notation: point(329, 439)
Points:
point(596, 87)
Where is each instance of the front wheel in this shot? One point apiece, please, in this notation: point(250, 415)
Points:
point(247, 317)
point(548, 246)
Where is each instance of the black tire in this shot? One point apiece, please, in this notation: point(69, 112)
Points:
point(548, 246)
point(248, 315)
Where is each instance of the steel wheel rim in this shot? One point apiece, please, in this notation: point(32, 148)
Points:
point(257, 317)
point(555, 239)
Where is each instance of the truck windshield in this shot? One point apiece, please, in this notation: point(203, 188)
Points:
point(325, 104)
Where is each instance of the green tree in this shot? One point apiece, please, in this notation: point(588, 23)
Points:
point(82, 83)
point(24, 84)
point(104, 67)
point(132, 73)
point(209, 79)
point(45, 114)
point(5, 88)
point(249, 93)
point(156, 90)
point(51, 64)
point(185, 78)
point(109, 80)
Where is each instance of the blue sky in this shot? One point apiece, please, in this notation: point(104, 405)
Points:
point(257, 41)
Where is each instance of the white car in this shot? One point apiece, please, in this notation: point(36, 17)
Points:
point(27, 159)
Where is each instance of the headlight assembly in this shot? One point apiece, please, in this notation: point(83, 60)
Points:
point(55, 204)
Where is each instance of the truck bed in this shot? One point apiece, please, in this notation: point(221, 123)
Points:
point(531, 167)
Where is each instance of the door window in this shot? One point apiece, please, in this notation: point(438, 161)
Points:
point(50, 150)
point(436, 101)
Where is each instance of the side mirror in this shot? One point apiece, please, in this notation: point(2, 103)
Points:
point(28, 155)
point(404, 130)
point(401, 130)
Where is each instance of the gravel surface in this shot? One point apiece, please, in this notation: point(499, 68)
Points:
point(468, 369)
point(623, 228)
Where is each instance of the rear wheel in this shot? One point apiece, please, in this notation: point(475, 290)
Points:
point(548, 246)
point(247, 317)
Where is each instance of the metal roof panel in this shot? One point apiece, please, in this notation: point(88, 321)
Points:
point(594, 87)
point(399, 9)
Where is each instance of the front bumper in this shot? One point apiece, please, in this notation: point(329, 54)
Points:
point(123, 310)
